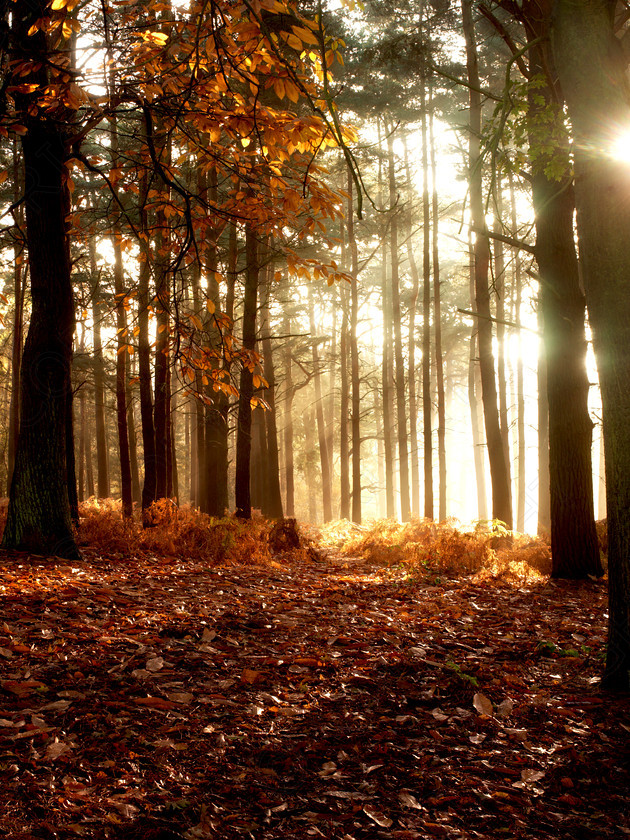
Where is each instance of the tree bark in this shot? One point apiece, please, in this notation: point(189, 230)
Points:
point(246, 389)
point(592, 73)
point(39, 516)
point(319, 412)
point(399, 367)
point(102, 466)
point(437, 317)
point(574, 547)
point(18, 318)
point(144, 361)
point(272, 490)
point(355, 417)
point(499, 476)
point(427, 403)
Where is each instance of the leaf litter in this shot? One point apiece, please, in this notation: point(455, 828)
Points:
point(316, 695)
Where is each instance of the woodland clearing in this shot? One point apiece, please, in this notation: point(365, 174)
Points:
point(326, 691)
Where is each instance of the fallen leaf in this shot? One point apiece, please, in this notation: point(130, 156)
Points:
point(155, 703)
point(22, 688)
point(409, 801)
point(155, 664)
point(250, 677)
point(482, 704)
point(377, 816)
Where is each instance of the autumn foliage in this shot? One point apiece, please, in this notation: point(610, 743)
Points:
point(426, 547)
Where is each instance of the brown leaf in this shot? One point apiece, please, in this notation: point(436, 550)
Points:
point(250, 677)
point(155, 703)
point(377, 816)
point(483, 704)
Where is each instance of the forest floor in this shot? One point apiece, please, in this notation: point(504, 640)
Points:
point(312, 695)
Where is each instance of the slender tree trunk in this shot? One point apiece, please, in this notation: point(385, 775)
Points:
point(246, 389)
point(499, 475)
point(411, 344)
point(144, 361)
point(473, 400)
point(319, 411)
point(544, 499)
point(500, 294)
point(216, 431)
point(344, 406)
point(387, 379)
point(288, 421)
point(426, 313)
point(399, 368)
point(272, 490)
point(354, 361)
point(437, 317)
point(520, 382)
point(136, 493)
point(102, 466)
point(309, 464)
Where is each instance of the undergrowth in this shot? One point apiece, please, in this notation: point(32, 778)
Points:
point(424, 547)
point(174, 532)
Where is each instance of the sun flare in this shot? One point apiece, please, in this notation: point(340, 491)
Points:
point(620, 147)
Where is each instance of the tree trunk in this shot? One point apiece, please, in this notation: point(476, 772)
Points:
point(520, 396)
point(574, 548)
point(411, 344)
point(499, 475)
point(102, 466)
point(246, 389)
point(144, 362)
point(427, 403)
point(473, 401)
point(39, 517)
point(399, 367)
point(592, 74)
point(355, 420)
point(344, 399)
point(272, 490)
point(288, 422)
point(319, 412)
point(437, 317)
point(18, 319)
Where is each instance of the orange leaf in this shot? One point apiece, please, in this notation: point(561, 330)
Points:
point(155, 703)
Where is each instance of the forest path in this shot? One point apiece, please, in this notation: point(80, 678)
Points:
point(329, 698)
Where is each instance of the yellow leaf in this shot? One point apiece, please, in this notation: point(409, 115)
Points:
point(278, 87)
point(210, 306)
point(292, 91)
point(294, 41)
point(58, 5)
point(305, 35)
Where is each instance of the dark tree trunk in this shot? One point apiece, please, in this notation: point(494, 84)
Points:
point(246, 389)
point(399, 366)
point(39, 514)
point(427, 406)
point(574, 547)
point(437, 317)
point(288, 422)
point(272, 490)
point(354, 362)
point(499, 475)
point(593, 80)
point(18, 319)
point(102, 465)
point(216, 424)
point(144, 367)
point(319, 413)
